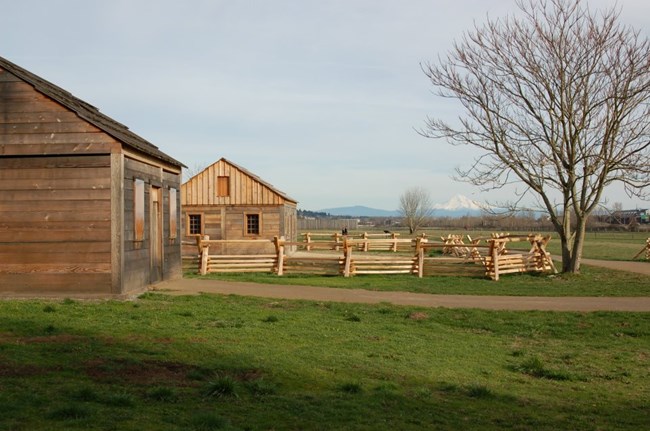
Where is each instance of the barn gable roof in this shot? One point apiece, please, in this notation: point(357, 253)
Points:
point(88, 112)
point(258, 179)
point(198, 179)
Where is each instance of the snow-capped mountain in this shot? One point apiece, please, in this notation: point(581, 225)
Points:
point(458, 202)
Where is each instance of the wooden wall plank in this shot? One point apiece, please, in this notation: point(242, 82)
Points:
point(58, 235)
point(38, 173)
point(57, 138)
point(117, 227)
point(62, 216)
point(51, 268)
point(62, 161)
point(56, 195)
point(47, 128)
point(56, 184)
point(55, 258)
point(55, 283)
point(36, 117)
point(59, 205)
point(14, 86)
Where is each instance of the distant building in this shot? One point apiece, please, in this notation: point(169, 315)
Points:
point(627, 217)
point(227, 202)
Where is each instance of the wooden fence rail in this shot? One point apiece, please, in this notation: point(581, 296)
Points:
point(367, 241)
point(495, 259)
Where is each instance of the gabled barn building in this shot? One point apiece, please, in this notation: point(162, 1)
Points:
point(87, 207)
point(227, 202)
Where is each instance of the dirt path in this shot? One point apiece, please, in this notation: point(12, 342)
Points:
point(196, 286)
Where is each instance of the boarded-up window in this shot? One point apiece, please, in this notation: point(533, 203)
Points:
point(253, 224)
point(138, 209)
point(223, 186)
point(194, 224)
point(173, 214)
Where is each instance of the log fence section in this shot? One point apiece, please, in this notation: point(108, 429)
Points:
point(645, 249)
point(369, 241)
point(495, 259)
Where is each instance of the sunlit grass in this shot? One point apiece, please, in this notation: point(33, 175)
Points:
point(219, 362)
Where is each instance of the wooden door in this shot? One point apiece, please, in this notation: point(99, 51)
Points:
point(156, 235)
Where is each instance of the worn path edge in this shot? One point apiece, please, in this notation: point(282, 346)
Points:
point(190, 286)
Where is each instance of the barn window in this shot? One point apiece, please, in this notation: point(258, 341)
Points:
point(138, 209)
point(194, 224)
point(223, 186)
point(173, 214)
point(252, 224)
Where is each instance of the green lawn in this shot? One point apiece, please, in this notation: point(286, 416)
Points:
point(224, 362)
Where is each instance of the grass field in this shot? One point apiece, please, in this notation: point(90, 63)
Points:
point(598, 245)
point(223, 362)
point(234, 363)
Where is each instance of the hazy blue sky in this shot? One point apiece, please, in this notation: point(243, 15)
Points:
point(319, 97)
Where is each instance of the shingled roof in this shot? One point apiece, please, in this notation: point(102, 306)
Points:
point(88, 112)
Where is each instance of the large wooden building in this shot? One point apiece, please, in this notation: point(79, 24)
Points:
point(225, 201)
point(87, 207)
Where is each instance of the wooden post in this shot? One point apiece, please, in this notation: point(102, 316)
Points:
point(394, 238)
point(420, 256)
point(279, 254)
point(495, 260)
point(365, 241)
point(347, 253)
point(337, 240)
point(205, 250)
point(308, 238)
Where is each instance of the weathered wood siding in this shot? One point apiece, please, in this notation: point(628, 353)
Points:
point(31, 123)
point(137, 254)
point(55, 227)
point(66, 202)
point(245, 189)
point(55, 230)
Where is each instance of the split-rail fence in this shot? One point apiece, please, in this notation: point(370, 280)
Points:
point(491, 259)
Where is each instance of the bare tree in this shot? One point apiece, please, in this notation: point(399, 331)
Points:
point(194, 170)
point(555, 98)
point(416, 207)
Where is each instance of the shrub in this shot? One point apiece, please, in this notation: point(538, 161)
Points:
point(479, 391)
point(222, 387)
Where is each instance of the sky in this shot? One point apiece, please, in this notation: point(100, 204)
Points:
point(321, 98)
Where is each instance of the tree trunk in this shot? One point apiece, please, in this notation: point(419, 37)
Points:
point(576, 249)
point(566, 253)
